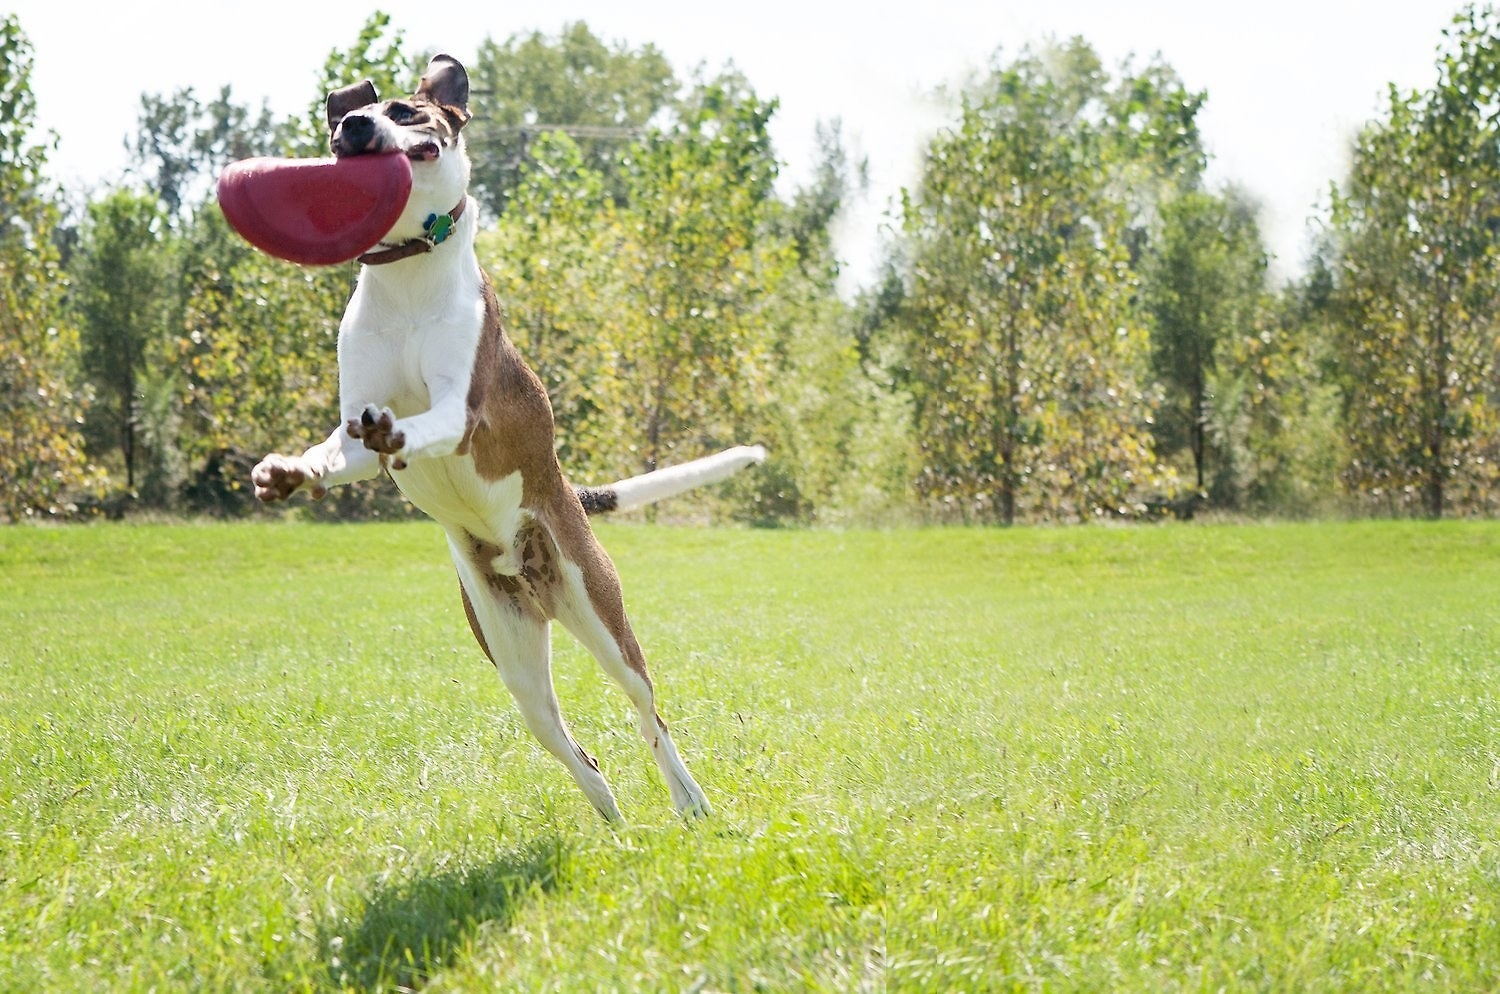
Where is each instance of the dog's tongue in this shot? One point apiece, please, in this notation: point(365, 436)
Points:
point(316, 212)
point(425, 152)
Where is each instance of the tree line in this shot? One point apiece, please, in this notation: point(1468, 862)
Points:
point(1069, 324)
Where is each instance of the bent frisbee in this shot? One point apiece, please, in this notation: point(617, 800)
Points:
point(316, 212)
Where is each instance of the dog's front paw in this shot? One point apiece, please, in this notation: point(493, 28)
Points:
point(376, 427)
point(277, 477)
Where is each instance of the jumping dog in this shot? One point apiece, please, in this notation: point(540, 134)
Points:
point(433, 392)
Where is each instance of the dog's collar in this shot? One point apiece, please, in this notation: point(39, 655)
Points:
point(435, 230)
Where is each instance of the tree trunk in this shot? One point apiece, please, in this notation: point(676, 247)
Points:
point(127, 428)
point(1437, 405)
point(1196, 433)
point(1436, 427)
point(1006, 443)
point(127, 449)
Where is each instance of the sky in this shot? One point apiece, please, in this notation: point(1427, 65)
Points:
point(1289, 82)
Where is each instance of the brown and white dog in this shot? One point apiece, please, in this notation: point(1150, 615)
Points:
point(434, 392)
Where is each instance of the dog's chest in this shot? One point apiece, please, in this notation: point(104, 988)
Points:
point(450, 491)
point(408, 394)
point(434, 352)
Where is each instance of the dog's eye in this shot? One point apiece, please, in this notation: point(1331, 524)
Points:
point(401, 113)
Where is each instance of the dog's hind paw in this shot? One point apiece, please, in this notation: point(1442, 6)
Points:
point(376, 427)
point(696, 810)
point(689, 800)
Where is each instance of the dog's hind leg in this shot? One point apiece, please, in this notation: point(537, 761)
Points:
point(614, 645)
point(517, 639)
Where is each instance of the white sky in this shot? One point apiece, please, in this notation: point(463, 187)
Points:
point(1289, 81)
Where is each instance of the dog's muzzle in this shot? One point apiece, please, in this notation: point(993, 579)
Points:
point(360, 134)
point(355, 135)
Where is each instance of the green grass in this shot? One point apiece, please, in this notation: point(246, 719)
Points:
point(269, 758)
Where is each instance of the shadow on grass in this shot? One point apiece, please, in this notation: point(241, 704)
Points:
point(412, 929)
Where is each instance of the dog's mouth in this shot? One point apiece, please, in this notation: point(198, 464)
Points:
point(421, 152)
point(357, 137)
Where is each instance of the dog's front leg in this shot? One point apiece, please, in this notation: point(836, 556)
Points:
point(338, 460)
point(434, 433)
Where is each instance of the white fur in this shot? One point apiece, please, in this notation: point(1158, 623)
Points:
point(648, 488)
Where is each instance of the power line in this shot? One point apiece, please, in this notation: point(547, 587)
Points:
point(527, 132)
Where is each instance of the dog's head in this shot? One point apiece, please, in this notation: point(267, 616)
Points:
point(426, 127)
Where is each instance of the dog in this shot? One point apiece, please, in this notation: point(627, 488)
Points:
point(434, 393)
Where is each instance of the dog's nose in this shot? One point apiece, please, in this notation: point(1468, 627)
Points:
point(354, 134)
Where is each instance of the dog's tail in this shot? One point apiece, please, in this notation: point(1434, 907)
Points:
point(648, 488)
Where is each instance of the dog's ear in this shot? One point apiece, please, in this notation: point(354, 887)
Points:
point(446, 84)
point(341, 102)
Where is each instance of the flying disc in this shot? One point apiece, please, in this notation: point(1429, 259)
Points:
point(316, 212)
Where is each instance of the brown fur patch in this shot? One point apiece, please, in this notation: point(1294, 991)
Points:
point(341, 102)
point(535, 588)
point(509, 421)
point(508, 430)
point(445, 85)
point(474, 622)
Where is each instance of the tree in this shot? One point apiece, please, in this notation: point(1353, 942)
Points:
point(1025, 356)
point(182, 144)
point(555, 259)
point(378, 54)
point(1155, 152)
point(568, 261)
point(838, 434)
point(252, 353)
point(810, 216)
point(246, 358)
point(703, 271)
point(42, 460)
point(120, 273)
point(1416, 243)
point(601, 96)
point(1203, 283)
point(1275, 416)
point(161, 287)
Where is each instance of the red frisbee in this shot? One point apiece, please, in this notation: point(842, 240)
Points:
point(316, 212)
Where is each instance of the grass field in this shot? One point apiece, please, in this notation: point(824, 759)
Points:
point(269, 758)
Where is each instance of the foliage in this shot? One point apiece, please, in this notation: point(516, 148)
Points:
point(685, 316)
point(181, 144)
point(838, 429)
point(254, 355)
point(212, 351)
point(42, 461)
point(812, 211)
point(1274, 420)
point(602, 97)
point(379, 55)
point(840, 438)
point(704, 273)
point(1149, 120)
point(1025, 354)
point(1204, 284)
point(119, 274)
point(1417, 284)
point(1067, 318)
point(555, 259)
